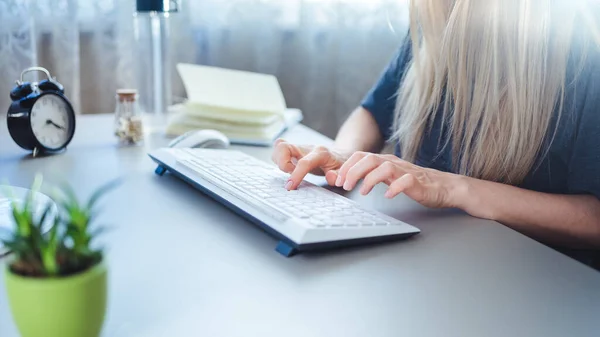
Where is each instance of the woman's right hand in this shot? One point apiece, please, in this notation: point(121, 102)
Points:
point(299, 160)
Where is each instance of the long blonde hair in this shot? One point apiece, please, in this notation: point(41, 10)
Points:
point(497, 69)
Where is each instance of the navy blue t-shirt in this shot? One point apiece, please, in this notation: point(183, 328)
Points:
point(572, 162)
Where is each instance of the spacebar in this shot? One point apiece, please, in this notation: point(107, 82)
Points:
point(237, 192)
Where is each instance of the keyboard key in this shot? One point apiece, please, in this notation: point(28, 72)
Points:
point(313, 212)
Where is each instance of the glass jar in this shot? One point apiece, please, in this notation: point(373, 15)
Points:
point(128, 118)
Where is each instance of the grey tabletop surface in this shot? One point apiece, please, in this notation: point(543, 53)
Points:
point(180, 264)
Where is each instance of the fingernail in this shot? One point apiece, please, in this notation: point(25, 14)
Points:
point(347, 186)
point(388, 194)
point(338, 181)
point(289, 184)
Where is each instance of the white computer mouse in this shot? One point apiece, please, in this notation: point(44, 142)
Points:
point(207, 139)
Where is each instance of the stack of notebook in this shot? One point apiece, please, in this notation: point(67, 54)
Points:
point(248, 108)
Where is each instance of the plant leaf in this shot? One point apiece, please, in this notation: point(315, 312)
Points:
point(49, 254)
point(22, 222)
point(70, 194)
point(102, 191)
point(18, 247)
point(37, 240)
point(93, 234)
point(53, 233)
point(47, 211)
point(35, 187)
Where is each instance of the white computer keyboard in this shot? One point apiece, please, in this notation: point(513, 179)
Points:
point(308, 217)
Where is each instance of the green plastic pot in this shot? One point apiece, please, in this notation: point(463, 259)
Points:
point(72, 306)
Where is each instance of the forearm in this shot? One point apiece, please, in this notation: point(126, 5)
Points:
point(566, 220)
point(359, 133)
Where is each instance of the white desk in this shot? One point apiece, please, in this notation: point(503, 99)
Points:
point(183, 265)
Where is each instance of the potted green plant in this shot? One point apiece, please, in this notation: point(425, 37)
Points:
point(55, 279)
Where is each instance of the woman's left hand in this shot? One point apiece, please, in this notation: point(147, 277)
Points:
point(431, 188)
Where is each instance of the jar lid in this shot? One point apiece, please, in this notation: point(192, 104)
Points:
point(126, 95)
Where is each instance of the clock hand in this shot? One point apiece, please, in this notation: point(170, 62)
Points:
point(49, 121)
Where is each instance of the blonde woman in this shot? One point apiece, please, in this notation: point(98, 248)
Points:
point(495, 109)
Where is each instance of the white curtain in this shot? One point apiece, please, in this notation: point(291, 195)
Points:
point(326, 53)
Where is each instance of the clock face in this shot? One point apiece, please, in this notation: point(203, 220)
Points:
point(51, 118)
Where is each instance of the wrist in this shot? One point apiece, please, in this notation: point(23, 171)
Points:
point(458, 192)
point(467, 196)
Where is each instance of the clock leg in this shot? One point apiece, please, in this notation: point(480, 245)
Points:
point(35, 152)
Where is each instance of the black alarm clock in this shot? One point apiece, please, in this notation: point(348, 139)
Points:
point(40, 117)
